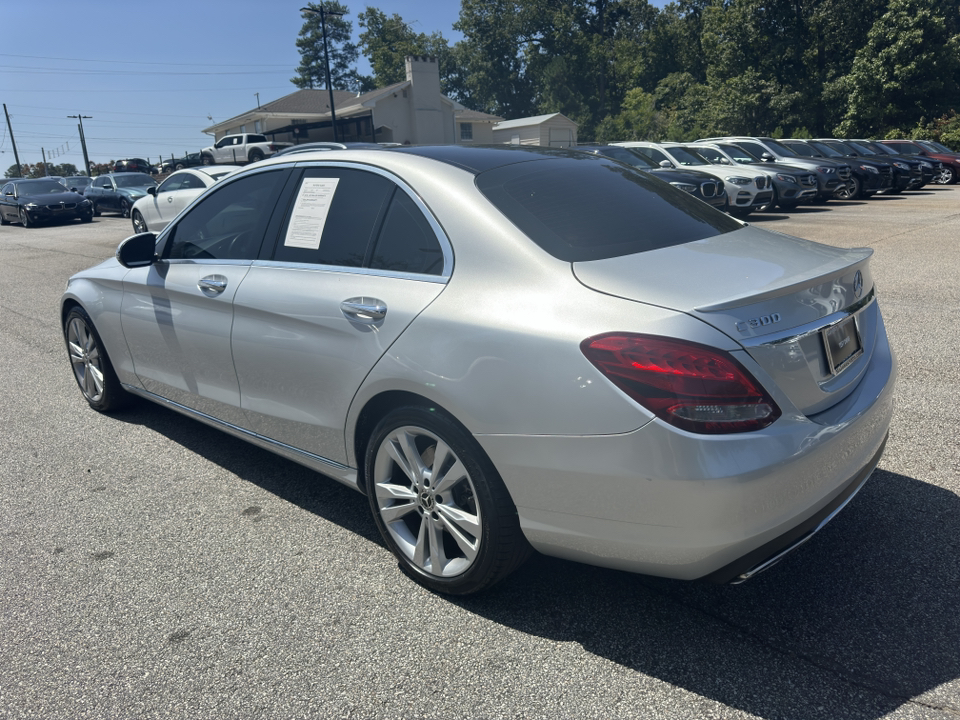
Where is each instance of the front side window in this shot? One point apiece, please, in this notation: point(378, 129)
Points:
point(170, 184)
point(137, 180)
point(228, 224)
point(7, 189)
point(756, 148)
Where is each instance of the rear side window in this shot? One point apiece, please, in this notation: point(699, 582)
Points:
point(591, 208)
point(341, 236)
point(407, 243)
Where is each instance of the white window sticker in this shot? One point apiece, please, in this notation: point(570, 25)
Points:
point(310, 213)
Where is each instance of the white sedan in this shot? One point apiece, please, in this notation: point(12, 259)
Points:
point(163, 203)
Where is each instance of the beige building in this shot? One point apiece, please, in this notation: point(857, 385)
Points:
point(475, 128)
point(553, 130)
point(410, 112)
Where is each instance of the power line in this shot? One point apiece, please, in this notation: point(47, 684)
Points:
point(137, 62)
point(138, 73)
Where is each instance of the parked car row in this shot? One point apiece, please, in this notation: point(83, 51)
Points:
point(512, 348)
point(762, 173)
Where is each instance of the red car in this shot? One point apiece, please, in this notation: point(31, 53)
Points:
point(934, 151)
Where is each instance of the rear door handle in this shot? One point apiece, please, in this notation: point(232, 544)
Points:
point(364, 310)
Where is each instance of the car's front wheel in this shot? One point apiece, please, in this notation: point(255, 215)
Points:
point(25, 219)
point(124, 208)
point(91, 367)
point(439, 503)
point(947, 176)
point(139, 224)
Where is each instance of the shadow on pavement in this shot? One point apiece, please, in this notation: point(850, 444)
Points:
point(856, 623)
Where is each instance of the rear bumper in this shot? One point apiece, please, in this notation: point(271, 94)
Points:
point(664, 502)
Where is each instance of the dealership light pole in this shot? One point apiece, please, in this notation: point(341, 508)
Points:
point(326, 56)
point(83, 141)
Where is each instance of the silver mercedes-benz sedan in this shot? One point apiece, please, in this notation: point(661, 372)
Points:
point(508, 348)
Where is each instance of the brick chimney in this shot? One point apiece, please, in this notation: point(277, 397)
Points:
point(426, 111)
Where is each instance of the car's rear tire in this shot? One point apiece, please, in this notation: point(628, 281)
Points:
point(139, 225)
point(207, 159)
point(255, 156)
point(91, 366)
point(439, 503)
point(179, 166)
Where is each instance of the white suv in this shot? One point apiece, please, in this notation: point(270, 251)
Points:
point(747, 189)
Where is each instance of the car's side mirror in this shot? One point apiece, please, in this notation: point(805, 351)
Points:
point(666, 164)
point(138, 250)
point(767, 157)
point(151, 190)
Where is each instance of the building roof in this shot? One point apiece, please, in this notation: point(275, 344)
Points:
point(527, 121)
point(301, 102)
point(477, 117)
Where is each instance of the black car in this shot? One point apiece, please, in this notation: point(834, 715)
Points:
point(929, 168)
point(699, 184)
point(30, 202)
point(868, 176)
point(134, 165)
point(187, 161)
point(908, 174)
point(77, 183)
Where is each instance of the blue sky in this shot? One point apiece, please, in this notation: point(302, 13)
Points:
point(150, 73)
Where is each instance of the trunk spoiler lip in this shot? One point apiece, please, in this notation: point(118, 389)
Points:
point(754, 297)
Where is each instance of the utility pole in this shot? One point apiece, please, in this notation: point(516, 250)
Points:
point(43, 154)
point(83, 141)
point(12, 141)
point(258, 100)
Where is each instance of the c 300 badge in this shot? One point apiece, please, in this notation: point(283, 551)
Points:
point(758, 322)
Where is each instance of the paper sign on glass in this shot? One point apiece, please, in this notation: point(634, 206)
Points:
point(310, 213)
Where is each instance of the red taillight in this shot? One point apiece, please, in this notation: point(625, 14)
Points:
point(691, 386)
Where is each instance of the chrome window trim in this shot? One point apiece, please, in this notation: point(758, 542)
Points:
point(346, 269)
point(438, 230)
point(794, 335)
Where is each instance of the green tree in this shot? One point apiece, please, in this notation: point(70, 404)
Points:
point(909, 69)
point(311, 72)
point(387, 41)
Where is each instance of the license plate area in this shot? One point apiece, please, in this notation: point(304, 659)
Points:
point(842, 344)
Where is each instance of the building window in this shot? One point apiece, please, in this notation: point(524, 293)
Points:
point(243, 128)
point(257, 127)
point(466, 131)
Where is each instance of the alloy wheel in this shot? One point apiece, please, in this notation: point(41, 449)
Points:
point(427, 502)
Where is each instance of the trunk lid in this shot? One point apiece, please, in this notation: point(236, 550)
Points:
point(805, 312)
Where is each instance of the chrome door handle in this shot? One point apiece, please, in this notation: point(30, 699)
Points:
point(364, 310)
point(213, 283)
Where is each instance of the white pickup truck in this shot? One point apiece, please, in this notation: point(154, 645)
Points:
point(240, 149)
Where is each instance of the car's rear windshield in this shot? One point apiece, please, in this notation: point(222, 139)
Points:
point(594, 208)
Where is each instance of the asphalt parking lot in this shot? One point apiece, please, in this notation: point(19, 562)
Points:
point(152, 567)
